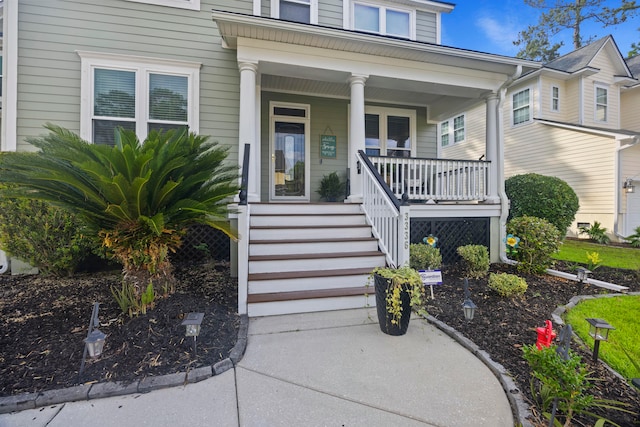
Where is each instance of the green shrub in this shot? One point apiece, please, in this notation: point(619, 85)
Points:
point(539, 239)
point(596, 233)
point(544, 197)
point(507, 285)
point(46, 237)
point(634, 239)
point(476, 258)
point(424, 257)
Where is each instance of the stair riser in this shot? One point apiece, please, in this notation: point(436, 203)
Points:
point(310, 305)
point(306, 220)
point(307, 284)
point(311, 247)
point(277, 266)
point(309, 233)
point(305, 208)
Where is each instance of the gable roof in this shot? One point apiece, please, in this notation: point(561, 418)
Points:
point(634, 66)
point(579, 59)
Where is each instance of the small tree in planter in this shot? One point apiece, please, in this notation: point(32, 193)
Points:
point(398, 290)
point(331, 187)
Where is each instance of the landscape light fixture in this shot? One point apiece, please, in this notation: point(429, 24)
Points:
point(94, 342)
point(599, 331)
point(468, 306)
point(628, 185)
point(582, 274)
point(192, 321)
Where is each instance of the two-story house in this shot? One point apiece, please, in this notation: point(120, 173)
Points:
point(575, 118)
point(303, 88)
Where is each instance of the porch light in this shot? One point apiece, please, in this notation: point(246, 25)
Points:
point(599, 331)
point(192, 322)
point(628, 185)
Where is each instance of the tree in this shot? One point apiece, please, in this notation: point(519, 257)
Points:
point(635, 49)
point(139, 198)
point(560, 15)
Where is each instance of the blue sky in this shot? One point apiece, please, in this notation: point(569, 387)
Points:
point(492, 25)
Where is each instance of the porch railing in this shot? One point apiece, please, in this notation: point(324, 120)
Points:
point(434, 179)
point(388, 217)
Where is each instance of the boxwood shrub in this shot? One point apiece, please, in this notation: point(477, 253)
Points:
point(539, 239)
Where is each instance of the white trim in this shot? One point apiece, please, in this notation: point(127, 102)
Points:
point(307, 147)
point(451, 131)
point(383, 7)
point(142, 66)
point(10, 78)
point(438, 28)
point(313, 9)
point(606, 88)
point(256, 8)
point(180, 4)
point(581, 101)
point(554, 98)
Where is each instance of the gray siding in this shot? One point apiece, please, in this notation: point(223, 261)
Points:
point(330, 13)
point(49, 67)
point(426, 27)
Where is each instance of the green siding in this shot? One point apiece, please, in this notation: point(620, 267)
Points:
point(49, 67)
point(330, 13)
point(426, 27)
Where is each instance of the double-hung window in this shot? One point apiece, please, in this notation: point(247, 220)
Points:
point(521, 107)
point(380, 19)
point(138, 94)
point(452, 131)
point(390, 132)
point(601, 103)
point(555, 98)
point(304, 11)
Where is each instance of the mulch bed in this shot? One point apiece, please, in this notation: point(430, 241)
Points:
point(43, 322)
point(502, 326)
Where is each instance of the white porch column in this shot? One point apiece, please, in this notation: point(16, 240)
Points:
point(248, 121)
point(356, 134)
point(492, 148)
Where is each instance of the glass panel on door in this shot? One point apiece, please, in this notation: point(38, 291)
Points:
point(289, 156)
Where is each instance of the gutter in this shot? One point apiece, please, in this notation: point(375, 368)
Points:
point(618, 201)
point(504, 200)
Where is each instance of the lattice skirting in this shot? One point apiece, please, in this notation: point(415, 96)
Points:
point(451, 234)
point(203, 242)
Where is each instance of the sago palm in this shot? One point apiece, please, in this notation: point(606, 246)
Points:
point(139, 198)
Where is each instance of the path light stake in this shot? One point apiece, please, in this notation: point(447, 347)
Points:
point(94, 342)
point(192, 321)
point(468, 306)
point(562, 350)
point(599, 331)
point(582, 274)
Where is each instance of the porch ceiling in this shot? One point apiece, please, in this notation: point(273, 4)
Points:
point(442, 78)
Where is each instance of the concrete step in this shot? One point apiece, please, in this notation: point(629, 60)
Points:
point(307, 305)
point(307, 220)
point(305, 208)
point(305, 233)
point(305, 262)
point(295, 246)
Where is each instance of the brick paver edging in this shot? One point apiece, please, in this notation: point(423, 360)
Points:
point(100, 390)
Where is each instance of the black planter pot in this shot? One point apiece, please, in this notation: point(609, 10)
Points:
point(384, 318)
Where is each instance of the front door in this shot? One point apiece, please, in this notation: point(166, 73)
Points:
point(289, 171)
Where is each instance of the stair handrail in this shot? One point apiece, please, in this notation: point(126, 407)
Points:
point(243, 215)
point(388, 216)
point(244, 181)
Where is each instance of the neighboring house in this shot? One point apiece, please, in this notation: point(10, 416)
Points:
point(576, 118)
point(307, 85)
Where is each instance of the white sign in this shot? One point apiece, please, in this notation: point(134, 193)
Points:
point(431, 277)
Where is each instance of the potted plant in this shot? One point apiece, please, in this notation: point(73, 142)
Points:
point(331, 187)
point(398, 290)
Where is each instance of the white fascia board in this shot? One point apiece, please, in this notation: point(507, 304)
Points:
point(354, 63)
point(9, 137)
point(610, 134)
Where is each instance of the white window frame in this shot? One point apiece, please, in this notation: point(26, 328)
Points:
point(555, 98)
point(383, 8)
point(530, 105)
point(451, 131)
point(596, 104)
point(143, 67)
point(383, 113)
point(181, 4)
point(313, 9)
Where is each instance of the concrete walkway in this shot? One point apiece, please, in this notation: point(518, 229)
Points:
point(317, 369)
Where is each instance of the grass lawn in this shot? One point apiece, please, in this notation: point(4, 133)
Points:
point(611, 256)
point(621, 313)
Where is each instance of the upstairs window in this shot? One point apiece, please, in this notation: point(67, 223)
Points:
point(555, 98)
point(181, 4)
point(384, 20)
point(452, 131)
point(521, 107)
point(601, 103)
point(303, 11)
